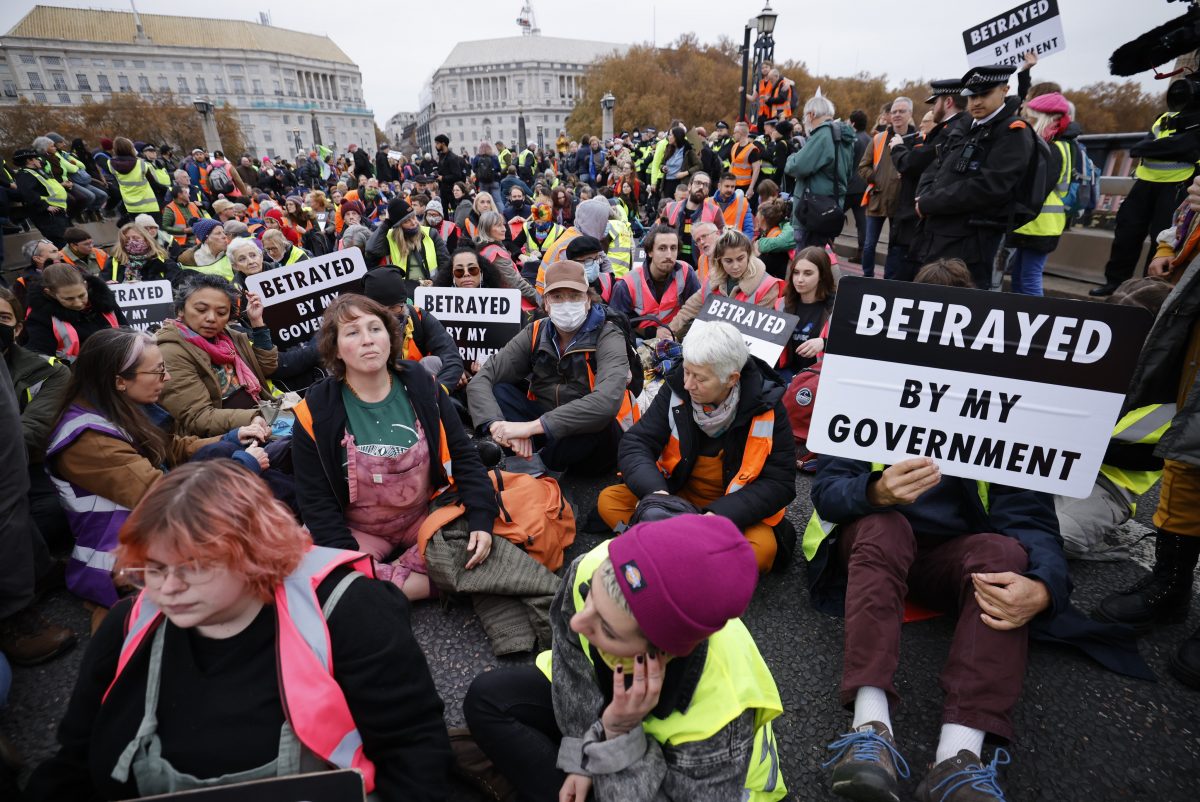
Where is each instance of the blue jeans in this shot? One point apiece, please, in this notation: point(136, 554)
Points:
point(1025, 269)
point(596, 450)
point(874, 229)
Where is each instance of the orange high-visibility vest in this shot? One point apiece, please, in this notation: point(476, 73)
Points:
point(880, 140)
point(735, 213)
point(758, 448)
point(67, 338)
point(764, 94)
point(709, 211)
point(101, 257)
point(739, 164)
point(557, 251)
point(627, 415)
point(180, 220)
point(313, 702)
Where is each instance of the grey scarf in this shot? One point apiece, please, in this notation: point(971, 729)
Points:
point(714, 421)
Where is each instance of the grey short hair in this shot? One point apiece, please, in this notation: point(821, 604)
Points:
point(30, 248)
point(486, 221)
point(715, 345)
point(820, 106)
point(902, 99)
point(42, 144)
point(272, 234)
point(238, 244)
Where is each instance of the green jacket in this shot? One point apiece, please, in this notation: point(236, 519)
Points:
point(40, 383)
point(812, 165)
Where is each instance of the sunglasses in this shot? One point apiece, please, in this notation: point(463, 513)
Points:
point(460, 272)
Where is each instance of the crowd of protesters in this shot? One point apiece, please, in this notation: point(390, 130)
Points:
point(249, 586)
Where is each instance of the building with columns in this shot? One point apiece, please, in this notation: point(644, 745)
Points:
point(482, 89)
point(290, 89)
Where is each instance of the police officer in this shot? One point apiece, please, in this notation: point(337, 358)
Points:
point(1147, 209)
point(968, 207)
point(45, 199)
point(723, 144)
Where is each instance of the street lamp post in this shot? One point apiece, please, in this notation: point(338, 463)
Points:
point(607, 104)
point(522, 141)
point(541, 137)
point(764, 50)
point(299, 141)
point(208, 123)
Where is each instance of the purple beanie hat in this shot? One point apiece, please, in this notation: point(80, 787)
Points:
point(202, 228)
point(684, 578)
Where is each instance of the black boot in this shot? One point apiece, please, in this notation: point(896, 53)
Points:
point(1185, 663)
point(1164, 596)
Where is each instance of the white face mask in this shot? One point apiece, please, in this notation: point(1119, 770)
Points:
point(568, 315)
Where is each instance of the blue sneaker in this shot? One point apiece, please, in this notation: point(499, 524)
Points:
point(866, 764)
point(964, 778)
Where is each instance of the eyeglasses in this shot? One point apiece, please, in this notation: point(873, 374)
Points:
point(460, 272)
point(192, 572)
point(161, 374)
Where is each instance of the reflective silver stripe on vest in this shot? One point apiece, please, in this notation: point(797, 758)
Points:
point(343, 754)
point(643, 284)
point(302, 603)
point(769, 751)
point(83, 421)
point(132, 182)
point(92, 558)
point(1147, 425)
point(1164, 166)
point(74, 503)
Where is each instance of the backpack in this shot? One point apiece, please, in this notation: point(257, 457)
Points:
point(1035, 185)
point(1084, 190)
point(485, 170)
point(219, 181)
point(533, 514)
point(798, 400)
point(637, 375)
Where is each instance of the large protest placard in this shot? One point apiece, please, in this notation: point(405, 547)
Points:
point(1006, 38)
point(345, 785)
point(765, 331)
point(480, 321)
point(295, 296)
point(1014, 389)
point(145, 303)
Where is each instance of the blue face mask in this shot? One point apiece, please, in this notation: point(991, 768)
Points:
point(591, 270)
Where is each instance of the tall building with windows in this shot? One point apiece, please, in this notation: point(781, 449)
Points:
point(482, 89)
point(290, 89)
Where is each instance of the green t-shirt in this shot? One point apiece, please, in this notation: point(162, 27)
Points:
point(386, 428)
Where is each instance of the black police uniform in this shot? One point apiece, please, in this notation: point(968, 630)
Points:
point(967, 208)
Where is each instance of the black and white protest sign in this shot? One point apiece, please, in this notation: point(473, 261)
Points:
point(145, 303)
point(345, 785)
point(295, 296)
point(1004, 39)
point(765, 331)
point(480, 321)
point(1014, 389)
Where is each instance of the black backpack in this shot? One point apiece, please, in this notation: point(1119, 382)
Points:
point(637, 373)
point(485, 171)
point(1036, 183)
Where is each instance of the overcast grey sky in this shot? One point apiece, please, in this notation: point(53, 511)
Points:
point(397, 45)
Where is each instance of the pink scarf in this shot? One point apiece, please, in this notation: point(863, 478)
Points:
point(222, 352)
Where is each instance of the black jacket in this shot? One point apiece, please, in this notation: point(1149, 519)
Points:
point(384, 171)
point(39, 330)
point(431, 339)
point(154, 269)
point(226, 716)
point(770, 492)
point(977, 174)
point(321, 485)
point(450, 168)
point(362, 164)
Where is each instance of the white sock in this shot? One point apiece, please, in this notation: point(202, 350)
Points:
point(871, 704)
point(956, 737)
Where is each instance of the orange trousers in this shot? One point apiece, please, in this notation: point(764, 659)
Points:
point(617, 503)
point(1179, 500)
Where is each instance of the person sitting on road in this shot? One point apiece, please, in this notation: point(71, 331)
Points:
point(590, 219)
point(652, 294)
point(490, 239)
point(281, 252)
point(735, 273)
point(220, 373)
point(375, 442)
point(589, 252)
point(577, 367)
point(214, 674)
point(112, 442)
point(423, 338)
point(718, 436)
point(403, 242)
point(809, 293)
point(137, 256)
point(988, 552)
point(209, 254)
point(81, 252)
point(653, 688)
point(65, 309)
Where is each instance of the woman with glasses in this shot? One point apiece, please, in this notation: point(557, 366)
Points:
point(469, 270)
point(112, 442)
point(491, 239)
point(248, 654)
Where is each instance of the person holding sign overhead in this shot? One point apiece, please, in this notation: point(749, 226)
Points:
point(248, 654)
point(718, 436)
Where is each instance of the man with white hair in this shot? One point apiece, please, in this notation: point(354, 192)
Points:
point(883, 179)
point(823, 166)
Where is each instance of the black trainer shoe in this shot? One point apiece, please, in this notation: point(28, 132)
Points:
point(866, 764)
point(1103, 291)
point(964, 778)
point(1185, 663)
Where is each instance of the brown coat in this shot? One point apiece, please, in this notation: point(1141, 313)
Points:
point(113, 469)
point(882, 200)
point(192, 395)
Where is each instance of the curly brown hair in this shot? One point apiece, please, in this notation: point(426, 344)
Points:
point(347, 307)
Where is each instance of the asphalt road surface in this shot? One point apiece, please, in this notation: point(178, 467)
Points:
point(1083, 733)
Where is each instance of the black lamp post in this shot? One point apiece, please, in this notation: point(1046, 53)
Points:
point(764, 50)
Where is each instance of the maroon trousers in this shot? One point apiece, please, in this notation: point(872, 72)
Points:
point(886, 562)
